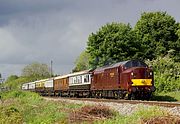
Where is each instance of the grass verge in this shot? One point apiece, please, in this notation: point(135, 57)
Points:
point(27, 107)
point(170, 96)
point(139, 117)
point(18, 107)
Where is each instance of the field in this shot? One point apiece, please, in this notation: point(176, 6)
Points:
point(27, 107)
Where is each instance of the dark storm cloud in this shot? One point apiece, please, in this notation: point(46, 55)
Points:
point(9, 7)
point(45, 30)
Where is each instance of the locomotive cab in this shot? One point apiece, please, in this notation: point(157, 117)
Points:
point(138, 79)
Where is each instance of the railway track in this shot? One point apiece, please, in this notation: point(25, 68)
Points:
point(153, 103)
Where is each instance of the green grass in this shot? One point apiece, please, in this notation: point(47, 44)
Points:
point(170, 96)
point(135, 118)
point(20, 106)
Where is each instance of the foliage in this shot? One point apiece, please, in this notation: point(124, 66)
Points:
point(36, 70)
point(30, 108)
point(177, 57)
point(10, 115)
point(154, 35)
point(167, 74)
point(31, 72)
point(157, 32)
point(15, 83)
point(113, 43)
point(82, 62)
point(136, 117)
point(169, 96)
point(12, 78)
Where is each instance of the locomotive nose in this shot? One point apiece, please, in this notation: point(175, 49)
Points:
point(141, 82)
point(141, 77)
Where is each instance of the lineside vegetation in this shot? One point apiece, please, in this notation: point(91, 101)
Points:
point(18, 107)
point(154, 39)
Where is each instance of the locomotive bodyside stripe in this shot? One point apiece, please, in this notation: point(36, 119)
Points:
point(141, 82)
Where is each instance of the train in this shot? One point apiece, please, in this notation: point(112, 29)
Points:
point(131, 79)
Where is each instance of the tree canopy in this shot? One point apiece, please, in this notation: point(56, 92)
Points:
point(157, 33)
point(112, 43)
point(36, 70)
point(177, 46)
point(11, 78)
point(82, 62)
point(155, 39)
point(31, 72)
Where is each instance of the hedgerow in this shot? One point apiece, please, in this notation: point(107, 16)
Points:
point(166, 74)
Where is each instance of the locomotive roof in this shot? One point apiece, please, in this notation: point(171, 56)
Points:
point(110, 66)
point(123, 63)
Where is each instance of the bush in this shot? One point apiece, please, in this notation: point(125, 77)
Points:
point(15, 83)
point(166, 74)
point(10, 115)
point(28, 107)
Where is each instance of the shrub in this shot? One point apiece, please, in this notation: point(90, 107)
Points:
point(28, 107)
point(166, 74)
point(10, 115)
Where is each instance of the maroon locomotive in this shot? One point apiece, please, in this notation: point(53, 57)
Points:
point(129, 79)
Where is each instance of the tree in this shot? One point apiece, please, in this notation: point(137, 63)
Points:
point(113, 43)
point(36, 70)
point(82, 62)
point(12, 78)
point(157, 33)
point(177, 53)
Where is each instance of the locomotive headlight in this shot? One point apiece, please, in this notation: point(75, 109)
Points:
point(132, 73)
point(150, 73)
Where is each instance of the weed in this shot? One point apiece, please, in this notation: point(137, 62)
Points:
point(91, 113)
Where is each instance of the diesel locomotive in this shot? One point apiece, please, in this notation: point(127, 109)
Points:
point(131, 79)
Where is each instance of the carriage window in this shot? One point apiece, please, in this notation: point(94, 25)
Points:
point(70, 80)
point(79, 79)
point(74, 80)
point(86, 78)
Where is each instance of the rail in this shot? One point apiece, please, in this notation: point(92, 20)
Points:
point(156, 103)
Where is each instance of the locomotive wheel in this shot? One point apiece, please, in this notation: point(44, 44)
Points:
point(121, 95)
point(93, 94)
point(116, 95)
point(147, 96)
point(131, 96)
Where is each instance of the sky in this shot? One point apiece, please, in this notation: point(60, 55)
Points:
point(57, 30)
